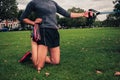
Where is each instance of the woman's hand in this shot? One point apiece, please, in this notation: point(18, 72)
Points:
point(38, 20)
point(88, 14)
point(28, 21)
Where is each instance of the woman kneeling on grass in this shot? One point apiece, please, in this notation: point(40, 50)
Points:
point(46, 10)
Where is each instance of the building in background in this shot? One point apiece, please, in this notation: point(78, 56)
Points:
point(11, 24)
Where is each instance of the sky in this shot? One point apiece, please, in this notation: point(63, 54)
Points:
point(99, 5)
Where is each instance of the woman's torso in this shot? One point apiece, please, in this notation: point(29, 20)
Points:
point(46, 10)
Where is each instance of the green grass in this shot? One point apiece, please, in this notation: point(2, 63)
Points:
point(83, 51)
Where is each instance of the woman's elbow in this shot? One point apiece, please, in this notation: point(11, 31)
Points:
point(20, 19)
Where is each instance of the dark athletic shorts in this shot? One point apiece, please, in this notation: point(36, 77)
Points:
point(49, 37)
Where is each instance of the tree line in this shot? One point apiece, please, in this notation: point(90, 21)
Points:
point(9, 11)
point(113, 20)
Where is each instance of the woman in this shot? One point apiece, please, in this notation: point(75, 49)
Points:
point(46, 10)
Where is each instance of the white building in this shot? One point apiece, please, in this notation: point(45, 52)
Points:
point(10, 23)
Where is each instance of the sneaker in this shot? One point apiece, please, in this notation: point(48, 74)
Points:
point(25, 57)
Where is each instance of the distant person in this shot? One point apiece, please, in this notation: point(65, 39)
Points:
point(46, 10)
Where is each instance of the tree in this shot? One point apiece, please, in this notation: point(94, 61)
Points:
point(117, 10)
point(8, 9)
point(113, 20)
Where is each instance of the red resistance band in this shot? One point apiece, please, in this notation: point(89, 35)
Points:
point(36, 32)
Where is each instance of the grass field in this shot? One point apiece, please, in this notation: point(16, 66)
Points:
point(83, 52)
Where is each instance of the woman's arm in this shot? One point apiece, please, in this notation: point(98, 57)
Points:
point(28, 21)
point(76, 15)
point(24, 17)
point(65, 13)
point(84, 14)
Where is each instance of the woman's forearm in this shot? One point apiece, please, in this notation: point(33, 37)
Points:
point(84, 14)
point(76, 15)
point(28, 21)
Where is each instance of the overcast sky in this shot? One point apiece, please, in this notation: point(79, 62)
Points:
point(100, 5)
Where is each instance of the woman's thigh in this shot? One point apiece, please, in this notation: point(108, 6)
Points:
point(34, 49)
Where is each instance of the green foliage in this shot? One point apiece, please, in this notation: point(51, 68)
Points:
point(114, 19)
point(83, 52)
point(76, 10)
point(97, 24)
point(8, 9)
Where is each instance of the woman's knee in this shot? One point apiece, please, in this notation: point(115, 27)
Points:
point(40, 66)
point(55, 62)
point(55, 55)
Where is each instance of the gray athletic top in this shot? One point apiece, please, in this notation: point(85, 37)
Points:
point(45, 9)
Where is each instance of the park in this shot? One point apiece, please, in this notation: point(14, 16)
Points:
point(89, 47)
point(83, 52)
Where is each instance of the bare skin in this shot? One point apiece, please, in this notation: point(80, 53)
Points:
point(117, 73)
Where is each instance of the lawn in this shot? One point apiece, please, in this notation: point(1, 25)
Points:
point(83, 53)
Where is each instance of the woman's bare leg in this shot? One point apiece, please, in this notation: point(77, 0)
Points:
point(54, 57)
point(34, 52)
point(42, 53)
